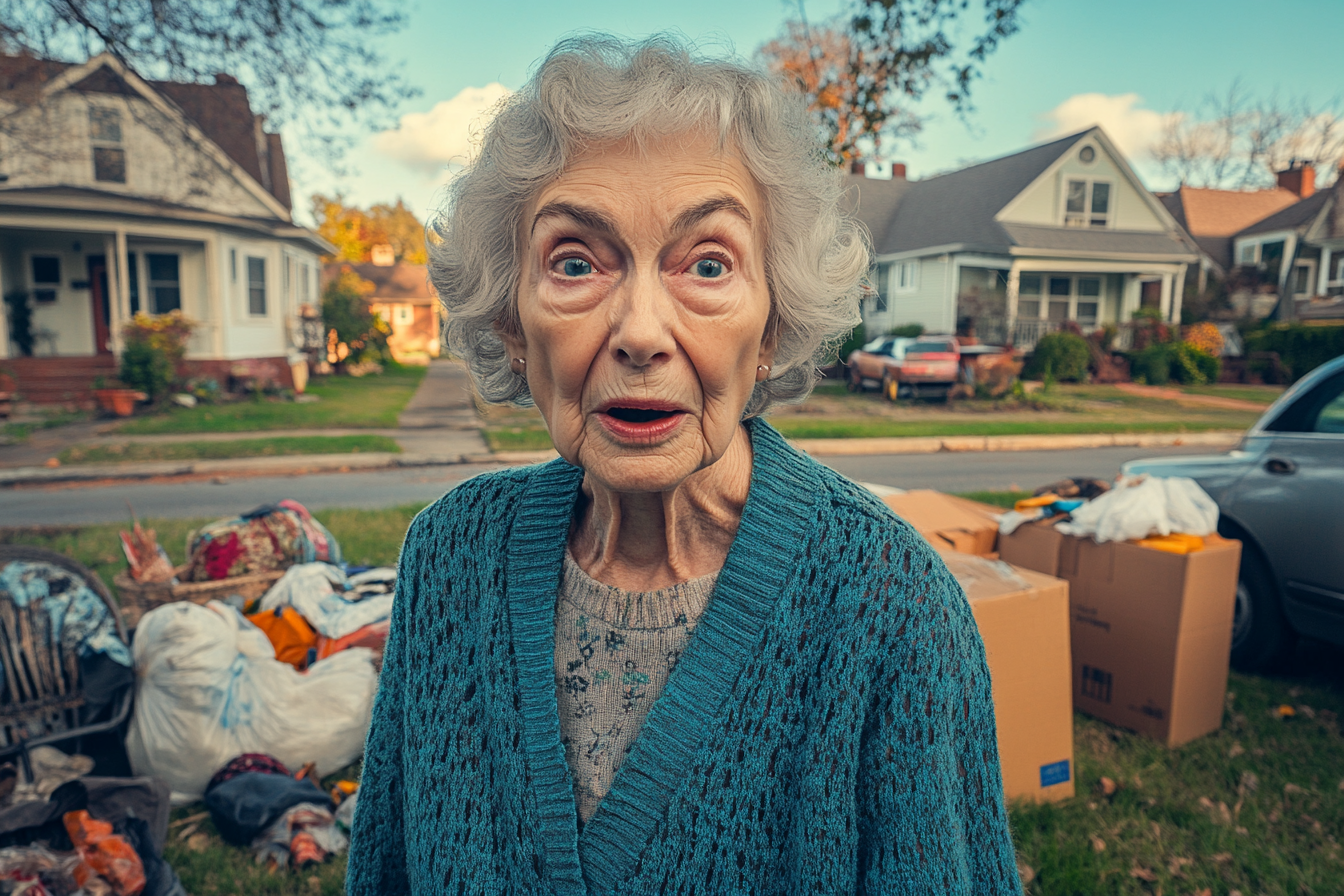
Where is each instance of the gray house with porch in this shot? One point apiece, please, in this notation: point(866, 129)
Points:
point(1010, 249)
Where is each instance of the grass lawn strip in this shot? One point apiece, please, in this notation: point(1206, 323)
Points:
point(223, 450)
point(804, 428)
point(368, 402)
point(1256, 807)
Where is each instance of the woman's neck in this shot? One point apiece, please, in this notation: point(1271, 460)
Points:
point(643, 541)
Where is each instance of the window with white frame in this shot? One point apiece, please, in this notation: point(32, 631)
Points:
point(403, 315)
point(1060, 297)
point(1029, 297)
point(256, 286)
point(165, 282)
point(905, 276)
point(1087, 203)
point(1246, 255)
point(109, 156)
point(1304, 278)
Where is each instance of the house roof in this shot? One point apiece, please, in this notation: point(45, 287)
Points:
point(1213, 217)
point(1299, 214)
point(959, 209)
point(401, 282)
point(221, 110)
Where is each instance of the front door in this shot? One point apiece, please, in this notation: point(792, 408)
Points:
point(102, 311)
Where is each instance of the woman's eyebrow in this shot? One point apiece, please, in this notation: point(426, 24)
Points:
point(586, 217)
point(694, 215)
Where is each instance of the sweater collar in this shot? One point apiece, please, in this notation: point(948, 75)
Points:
point(784, 485)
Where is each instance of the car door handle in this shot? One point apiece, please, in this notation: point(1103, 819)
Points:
point(1280, 467)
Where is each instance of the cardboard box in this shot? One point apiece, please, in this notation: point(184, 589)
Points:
point(1151, 631)
point(1023, 618)
point(948, 522)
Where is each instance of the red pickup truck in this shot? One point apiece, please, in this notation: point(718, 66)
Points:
point(923, 367)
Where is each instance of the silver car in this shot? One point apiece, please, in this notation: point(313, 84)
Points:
point(1281, 492)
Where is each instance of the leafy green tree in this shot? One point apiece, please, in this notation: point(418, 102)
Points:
point(345, 312)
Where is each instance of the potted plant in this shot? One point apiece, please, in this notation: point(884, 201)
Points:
point(115, 397)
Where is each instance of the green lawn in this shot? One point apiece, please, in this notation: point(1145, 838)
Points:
point(798, 427)
point(517, 438)
point(208, 450)
point(368, 402)
point(1257, 807)
point(1262, 394)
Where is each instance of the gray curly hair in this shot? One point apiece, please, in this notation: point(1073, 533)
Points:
point(596, 90)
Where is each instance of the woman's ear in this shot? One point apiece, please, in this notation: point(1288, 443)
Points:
point(516, 347)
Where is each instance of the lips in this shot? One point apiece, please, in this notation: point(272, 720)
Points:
point(640, 422)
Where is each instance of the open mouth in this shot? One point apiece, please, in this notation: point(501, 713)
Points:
point(639, 415)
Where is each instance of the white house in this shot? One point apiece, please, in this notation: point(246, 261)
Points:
point(120, 195)
point(1010, 249)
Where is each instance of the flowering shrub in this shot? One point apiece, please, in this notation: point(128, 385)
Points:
point(1206, 338)
point(154, 347)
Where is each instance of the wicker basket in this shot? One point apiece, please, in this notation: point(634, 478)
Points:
point(138, 598)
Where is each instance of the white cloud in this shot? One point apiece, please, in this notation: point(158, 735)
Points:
point(446, 135)
point(1134, 130)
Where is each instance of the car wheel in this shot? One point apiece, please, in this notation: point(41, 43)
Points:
point(1261, 636)
point(891, 388)
point(854, 380)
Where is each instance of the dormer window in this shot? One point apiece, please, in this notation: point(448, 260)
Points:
point(1087, 203)
point(109, 157)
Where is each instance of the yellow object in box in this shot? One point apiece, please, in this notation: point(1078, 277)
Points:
point(1175, 543)
point(1032, 503)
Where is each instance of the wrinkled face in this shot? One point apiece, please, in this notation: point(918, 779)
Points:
point(643, 305)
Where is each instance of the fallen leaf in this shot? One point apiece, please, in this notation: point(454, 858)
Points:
point(1243, 832)
point(1233, 893)
point(1293, 788)
point(1249, 782)
point(198, 842)
point(1341, 784)
point(1108, 786)
point(1098, 844)
point(1273, 816)
point(187, 831)
point(1138, 872)
point(1026, 872)
point(1304, 710)
point(315, 884)
point(51, 462)
point(1176, 865)
point(1221, 858)
point(1285, 712)
point(1207, 891)
point(1237, 750)
point(1138, 782)
point(1294, 692)
point(1224, 814)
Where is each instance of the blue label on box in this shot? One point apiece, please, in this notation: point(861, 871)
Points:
point(1055, 773)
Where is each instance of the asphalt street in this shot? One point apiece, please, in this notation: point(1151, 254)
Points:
point(954, 472)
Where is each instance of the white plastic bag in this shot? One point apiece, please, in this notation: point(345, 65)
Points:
point(209, 688)
point(313, 589)
point(1140, 506)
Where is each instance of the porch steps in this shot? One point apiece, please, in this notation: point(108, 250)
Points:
point(59, 380)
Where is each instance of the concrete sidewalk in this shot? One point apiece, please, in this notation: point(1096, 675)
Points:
point(344, 463)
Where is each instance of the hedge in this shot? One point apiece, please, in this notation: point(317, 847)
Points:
point(1301, 347)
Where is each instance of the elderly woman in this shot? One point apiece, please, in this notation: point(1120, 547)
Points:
point(683, 658)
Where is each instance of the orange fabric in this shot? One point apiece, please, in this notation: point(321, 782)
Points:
point(372, 636)
point(110, 856)
point(288, 632)
point(1175, 543)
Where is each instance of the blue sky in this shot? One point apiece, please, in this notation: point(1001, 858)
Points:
point(1074, 62)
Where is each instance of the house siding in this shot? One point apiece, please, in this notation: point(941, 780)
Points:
point(1043, 203)
point(929, 303)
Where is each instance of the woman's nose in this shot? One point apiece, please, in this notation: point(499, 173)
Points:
point(642, 329)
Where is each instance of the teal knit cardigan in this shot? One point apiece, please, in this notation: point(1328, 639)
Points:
point(829, 729)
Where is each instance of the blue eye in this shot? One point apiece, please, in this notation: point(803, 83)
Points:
point(708, 267)
point(577, 267)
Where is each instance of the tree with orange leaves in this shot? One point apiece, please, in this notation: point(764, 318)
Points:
point(355, 231)
point(864, 71)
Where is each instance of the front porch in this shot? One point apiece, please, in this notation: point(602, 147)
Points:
point(1019, 302)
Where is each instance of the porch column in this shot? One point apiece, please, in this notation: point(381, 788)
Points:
point(1179, 295)
point(1014, 283)
point(123, 278)
point(4, 318)
point(215, 312)
point(1323, 274)
point(113, 298)
point(1166, 297)
point(1287, 304)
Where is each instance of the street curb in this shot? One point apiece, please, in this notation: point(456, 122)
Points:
point(375, 460)
point(901, 445)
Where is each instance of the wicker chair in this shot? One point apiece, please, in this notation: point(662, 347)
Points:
point(43, 697)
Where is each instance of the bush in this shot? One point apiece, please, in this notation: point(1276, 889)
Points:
point(853, 342)
point(1301, 347)
point(1064, 356)
point(1158, 364)
point(909, 331)
point(154, 347)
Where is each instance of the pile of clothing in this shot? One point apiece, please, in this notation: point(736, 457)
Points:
point(64, 831)
point(286, 819)
point(271, 537)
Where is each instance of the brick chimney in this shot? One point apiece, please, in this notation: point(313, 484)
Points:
point(898, 170)
point(857, 167)
point(1299, 177)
